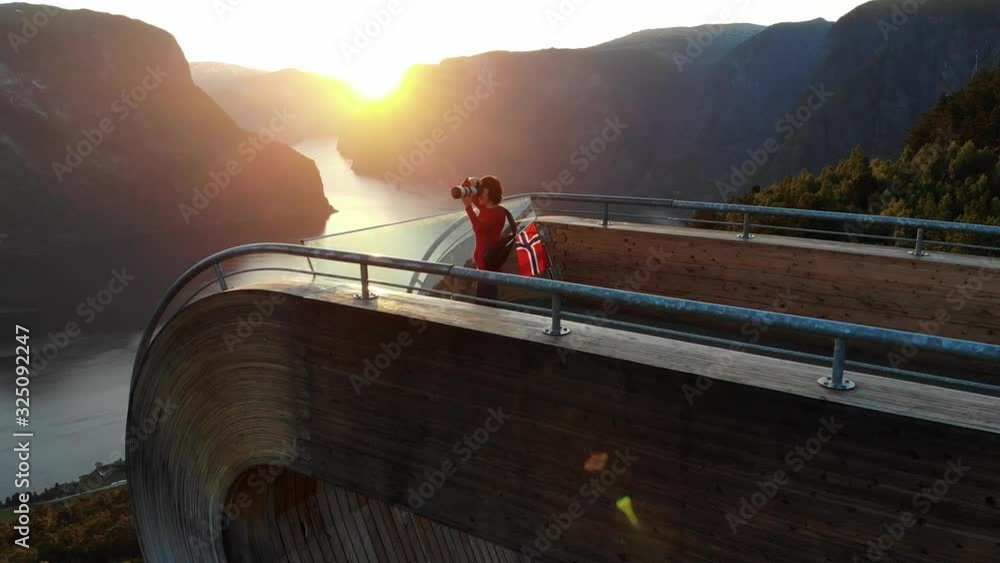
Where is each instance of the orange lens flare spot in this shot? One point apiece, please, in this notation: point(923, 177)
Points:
point(596, 463)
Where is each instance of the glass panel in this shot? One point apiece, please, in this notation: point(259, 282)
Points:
point(441, 238)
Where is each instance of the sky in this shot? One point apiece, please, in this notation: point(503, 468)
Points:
point(371, 43)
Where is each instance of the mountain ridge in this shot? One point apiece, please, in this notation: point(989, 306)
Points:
point(111, 155)
point(870, 64)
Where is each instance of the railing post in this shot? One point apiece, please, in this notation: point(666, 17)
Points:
point(837, 381)
point(365, 295)
point(607, 211)
point(221, 276)
point(746, 227)
point(309, 260)
point(556, 329)
point(921, 238)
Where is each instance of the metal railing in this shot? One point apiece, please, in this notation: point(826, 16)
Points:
point(860, 221)
point(841, 333)
point(607, 205)
point(540, 202)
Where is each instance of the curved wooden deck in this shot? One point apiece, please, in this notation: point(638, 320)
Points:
point(298, 518)
point(370, 401)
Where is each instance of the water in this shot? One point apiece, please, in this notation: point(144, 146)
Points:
point(78, 407)
point(80, 400)
point(366, 202)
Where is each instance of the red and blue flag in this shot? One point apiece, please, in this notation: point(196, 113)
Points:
point(531, 258)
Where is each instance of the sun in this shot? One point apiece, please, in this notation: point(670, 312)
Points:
point(376, 84)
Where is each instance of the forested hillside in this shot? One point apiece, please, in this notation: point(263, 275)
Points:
point(92, 529)
point(949, 171)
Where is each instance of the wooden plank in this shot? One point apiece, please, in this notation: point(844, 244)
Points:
point(329, 524)
point(303, 490)
point(405, 522)
point(310, 502)
point(364, 510)
point(437, 549)
point(363, 541)
point(349, 535)
point(293, 495)
point(390, 541)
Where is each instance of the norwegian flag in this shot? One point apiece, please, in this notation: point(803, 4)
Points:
point(531, 259)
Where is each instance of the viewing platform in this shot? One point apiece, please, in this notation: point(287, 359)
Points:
point(663, 392)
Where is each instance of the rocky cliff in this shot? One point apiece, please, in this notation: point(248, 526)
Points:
point(105, 135)
point(888, 62)
point(110, 156)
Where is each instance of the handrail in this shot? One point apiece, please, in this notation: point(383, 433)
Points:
point(746, 210)
point(630, 326)
point(928, 224)
point(841, 332)
point(372, 228)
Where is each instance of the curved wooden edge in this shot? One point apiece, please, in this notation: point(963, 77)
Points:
point(892, 396)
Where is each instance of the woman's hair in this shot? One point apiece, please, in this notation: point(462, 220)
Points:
point(492, 183)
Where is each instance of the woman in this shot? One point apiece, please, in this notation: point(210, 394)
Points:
point(488, 225)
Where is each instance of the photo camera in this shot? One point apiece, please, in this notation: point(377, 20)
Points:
point(470, 187)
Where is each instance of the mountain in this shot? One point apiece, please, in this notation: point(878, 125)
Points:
point(322, 104)
point(743, 98)
point(105, 134)
point(215, 78)
point(886, 67)
point(791, 96)
point(971, 114)
point(705, 44)
point(111, 155)
point(528, 117)
point(691, 99)
point(950, 171)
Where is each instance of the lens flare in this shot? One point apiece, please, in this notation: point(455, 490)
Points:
point(596, 463)
point(625, 505)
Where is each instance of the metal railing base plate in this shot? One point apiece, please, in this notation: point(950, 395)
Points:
point(828, 382)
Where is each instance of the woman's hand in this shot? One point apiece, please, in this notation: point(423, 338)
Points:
point(467, 200)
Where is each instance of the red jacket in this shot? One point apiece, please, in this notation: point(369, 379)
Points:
point(488, 226)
